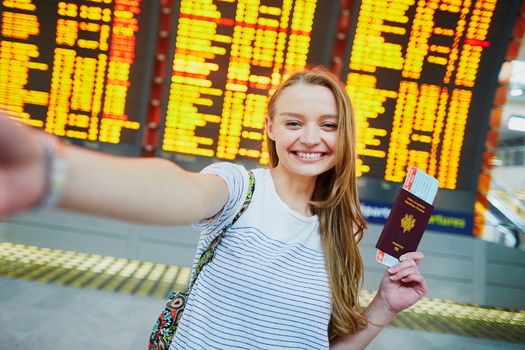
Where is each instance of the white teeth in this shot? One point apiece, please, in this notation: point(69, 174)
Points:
point(309, 155)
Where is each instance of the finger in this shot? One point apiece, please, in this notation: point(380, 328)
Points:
point(417, 283)
point(404, 273)
point(413, 278)
point(416, 256)
point(402, 265)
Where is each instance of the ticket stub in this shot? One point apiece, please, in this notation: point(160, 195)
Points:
point(423, 187)
point(421, 184)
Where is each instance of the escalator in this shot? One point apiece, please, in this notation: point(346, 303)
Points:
point(505, 218)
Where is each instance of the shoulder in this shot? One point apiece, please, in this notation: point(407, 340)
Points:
point(237, 179)
point(223, 167)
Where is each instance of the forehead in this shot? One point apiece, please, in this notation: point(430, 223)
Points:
point(306, 99)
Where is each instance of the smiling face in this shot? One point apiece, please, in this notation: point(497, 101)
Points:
point(304, 127)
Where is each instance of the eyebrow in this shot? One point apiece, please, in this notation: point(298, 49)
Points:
point(299, 115)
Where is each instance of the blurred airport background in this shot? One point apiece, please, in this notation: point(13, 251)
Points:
point(438, 83)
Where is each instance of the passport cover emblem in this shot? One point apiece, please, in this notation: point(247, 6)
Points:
point(408, 222)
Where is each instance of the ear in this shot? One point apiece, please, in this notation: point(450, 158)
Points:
point(269, 124)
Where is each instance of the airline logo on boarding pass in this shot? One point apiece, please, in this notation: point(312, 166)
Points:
point(409, 180)
point(421, 185)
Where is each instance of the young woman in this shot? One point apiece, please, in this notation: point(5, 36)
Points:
point(287, 274)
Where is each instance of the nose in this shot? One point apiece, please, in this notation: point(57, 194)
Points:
point(310, 135)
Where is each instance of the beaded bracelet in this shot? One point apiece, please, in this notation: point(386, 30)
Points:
point(56, 172)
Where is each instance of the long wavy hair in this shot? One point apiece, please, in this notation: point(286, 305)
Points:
point(336, 203)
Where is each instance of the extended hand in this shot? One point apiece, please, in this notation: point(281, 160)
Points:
point(22, 167)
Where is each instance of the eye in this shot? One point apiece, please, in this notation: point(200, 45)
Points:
point(293, 124)
point(329, 126)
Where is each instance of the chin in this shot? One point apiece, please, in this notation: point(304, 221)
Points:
point(310, 169)
point(312, 172)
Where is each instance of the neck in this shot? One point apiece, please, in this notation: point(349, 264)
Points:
point(296, 191)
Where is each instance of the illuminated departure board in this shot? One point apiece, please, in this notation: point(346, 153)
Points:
point(228, 56)
point(72, 69)
point(421, 75)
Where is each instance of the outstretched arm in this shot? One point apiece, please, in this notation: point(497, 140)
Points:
point(142, 190)
point(402, 286)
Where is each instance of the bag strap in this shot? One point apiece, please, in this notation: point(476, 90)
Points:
point(209, 253)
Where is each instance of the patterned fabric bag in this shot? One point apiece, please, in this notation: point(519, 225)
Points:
point(166, 325)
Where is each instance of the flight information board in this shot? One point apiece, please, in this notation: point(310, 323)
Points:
point(228, 56)
point(421, 75)
point(71, 68)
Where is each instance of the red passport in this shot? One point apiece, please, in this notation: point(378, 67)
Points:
point(405, 224)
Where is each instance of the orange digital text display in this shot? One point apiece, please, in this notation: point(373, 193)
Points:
point(229, 56)
point(420, 73)
point(66, 66)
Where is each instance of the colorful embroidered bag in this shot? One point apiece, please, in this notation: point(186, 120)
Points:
point(168, 321)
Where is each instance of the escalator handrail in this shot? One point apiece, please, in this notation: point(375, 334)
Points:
point(515, 199)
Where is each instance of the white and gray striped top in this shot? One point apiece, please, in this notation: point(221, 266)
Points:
point(267, 286)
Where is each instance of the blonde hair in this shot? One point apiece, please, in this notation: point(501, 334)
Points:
point(335, 201)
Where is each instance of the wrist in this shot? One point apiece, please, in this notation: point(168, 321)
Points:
point(55, 171)
point(378, 313)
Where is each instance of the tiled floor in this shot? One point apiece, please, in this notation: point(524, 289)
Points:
point(96, 302)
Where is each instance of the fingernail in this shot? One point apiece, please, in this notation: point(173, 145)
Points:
point(390, 269)
point(402, 258)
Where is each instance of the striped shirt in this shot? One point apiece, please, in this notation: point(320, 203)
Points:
point(267, 286)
